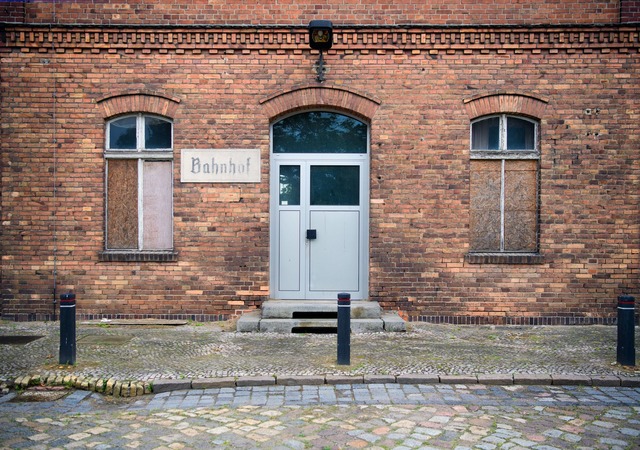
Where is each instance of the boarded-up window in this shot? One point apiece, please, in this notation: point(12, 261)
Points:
point(122, 204)
point(504, 185)
point(139, 184)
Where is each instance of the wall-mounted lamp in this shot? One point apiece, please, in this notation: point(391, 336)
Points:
point(320, 38)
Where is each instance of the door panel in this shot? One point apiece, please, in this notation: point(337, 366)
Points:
point(334, 255)
point(289, 268)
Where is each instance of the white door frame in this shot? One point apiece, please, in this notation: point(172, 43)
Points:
point(305, 160)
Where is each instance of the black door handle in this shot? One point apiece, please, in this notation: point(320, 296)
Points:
point(311, 234)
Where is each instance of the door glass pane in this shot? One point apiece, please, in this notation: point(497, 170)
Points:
point(157, 133)
point(289, 185)
point(335, 185)
point(319, 132)
point(520, 134)
point(485, 134)
point(122, 134)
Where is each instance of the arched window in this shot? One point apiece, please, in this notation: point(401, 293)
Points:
point(504, 184)
point(319, 132)
point(139, 156)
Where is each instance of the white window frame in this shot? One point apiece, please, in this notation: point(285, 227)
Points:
point(503, 154)
point(141, 154)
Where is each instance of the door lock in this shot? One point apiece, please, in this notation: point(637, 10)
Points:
point(311, 234)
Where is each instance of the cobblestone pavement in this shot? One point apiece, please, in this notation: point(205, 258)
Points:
point(377, 416)
point(209, 350)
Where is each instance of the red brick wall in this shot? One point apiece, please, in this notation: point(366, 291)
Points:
point(385, 12)
point(417, 86)
point(629, 11)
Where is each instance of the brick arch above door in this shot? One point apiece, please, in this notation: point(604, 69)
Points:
point(306, 97)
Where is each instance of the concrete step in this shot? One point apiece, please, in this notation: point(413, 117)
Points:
point(292, 309)
point(253, 322)
point(318, 325)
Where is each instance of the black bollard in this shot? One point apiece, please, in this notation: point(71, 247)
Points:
point(626, 329)
point(344, 329)
point(68, 328)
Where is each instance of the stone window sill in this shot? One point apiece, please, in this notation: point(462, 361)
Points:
point(138, 256)
point(504, 258)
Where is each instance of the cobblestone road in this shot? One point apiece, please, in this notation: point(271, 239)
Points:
point(330, 417)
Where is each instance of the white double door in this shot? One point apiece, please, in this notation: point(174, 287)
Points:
point(319, 226)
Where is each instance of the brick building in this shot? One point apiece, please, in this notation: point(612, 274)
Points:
point(464, 161)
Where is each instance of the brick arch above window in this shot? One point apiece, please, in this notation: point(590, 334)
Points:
point(306, 97)
point(138, 102)
point(505, 102)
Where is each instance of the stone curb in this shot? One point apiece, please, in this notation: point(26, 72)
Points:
point(127, 388)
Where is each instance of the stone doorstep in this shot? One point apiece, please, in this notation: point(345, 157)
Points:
point(253, 322)
point(285, 309)
point(287, 325)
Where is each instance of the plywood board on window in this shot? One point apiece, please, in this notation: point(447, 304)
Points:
point(485, 230)
point(122, 204)
point(485, 185)
point(156, 205)
point(520, 231)
point(520, 186)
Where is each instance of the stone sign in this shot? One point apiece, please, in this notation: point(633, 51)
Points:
point(220, 165)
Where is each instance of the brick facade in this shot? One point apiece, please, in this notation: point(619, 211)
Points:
point(418, 86)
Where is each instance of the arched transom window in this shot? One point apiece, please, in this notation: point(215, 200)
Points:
point(319, 132)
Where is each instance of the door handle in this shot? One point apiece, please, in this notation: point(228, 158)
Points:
point(311, 234)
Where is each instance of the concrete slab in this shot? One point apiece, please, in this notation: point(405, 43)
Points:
point(393, 322)
point(136, 322)
point(570, 380)
point(285, 309)
point(379, 379)
point(418, 379)
point(605, 380)
point(629, 382)
point(249, 322)
point(495, 379)
point(529, 379)
point(213, 383)
point(300, 380)
point(344, 379)
point(367, 325)
point(256, 381)
point(313, 325)
point(458, 379)
point(287, 325)
point(167, 385)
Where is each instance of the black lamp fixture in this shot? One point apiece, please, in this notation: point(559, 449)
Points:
point(320, 38)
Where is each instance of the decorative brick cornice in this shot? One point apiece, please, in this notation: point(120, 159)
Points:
point(412, 39)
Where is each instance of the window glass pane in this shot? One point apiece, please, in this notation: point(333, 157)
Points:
point(485, 134)
point(290, 185)
point(122, 204)
point(335, 185)
point(122, 133)
point(319, 132)
point(520, 134)
point(157, 222)
point(157, 133)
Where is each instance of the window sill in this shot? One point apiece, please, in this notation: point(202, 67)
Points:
point(138, 256)
point(504, 258)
